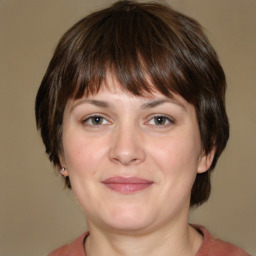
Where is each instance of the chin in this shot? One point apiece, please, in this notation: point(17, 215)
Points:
point(127, 220)
point(129, 226)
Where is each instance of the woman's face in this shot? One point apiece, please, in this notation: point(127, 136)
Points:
point(132, 160)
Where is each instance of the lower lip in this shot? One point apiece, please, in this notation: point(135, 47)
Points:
point(128, 188)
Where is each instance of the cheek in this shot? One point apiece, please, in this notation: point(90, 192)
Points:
point(82, 155)
point(176, 155)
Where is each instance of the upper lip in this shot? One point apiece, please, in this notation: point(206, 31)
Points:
point(126, 180)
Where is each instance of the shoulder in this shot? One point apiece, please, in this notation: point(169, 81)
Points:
point(216, 247)
point(72, 249)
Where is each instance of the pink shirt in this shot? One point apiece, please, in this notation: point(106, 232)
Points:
point(210, 246)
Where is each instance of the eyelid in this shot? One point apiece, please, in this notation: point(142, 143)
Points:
point(170, 119)
point(85, 119)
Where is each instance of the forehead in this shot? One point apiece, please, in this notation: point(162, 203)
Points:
point(112, 92)
point(111, 84)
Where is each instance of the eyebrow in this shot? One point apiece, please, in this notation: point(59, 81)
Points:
point(155, 103)
point(97, 103)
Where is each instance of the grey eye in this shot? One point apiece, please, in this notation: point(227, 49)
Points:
point(96, 120)
point(160, 120)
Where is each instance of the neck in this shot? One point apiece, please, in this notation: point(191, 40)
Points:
point(167, 241)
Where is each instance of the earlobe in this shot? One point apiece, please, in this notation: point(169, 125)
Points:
point(205, 161)
point(64, 172)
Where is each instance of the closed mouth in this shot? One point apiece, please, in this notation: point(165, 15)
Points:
point(126, 185)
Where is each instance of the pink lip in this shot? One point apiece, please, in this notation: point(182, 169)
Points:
point(127, 185)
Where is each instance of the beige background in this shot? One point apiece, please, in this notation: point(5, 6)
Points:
point(36, 215)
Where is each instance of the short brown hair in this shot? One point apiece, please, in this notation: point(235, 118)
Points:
point(137, 42)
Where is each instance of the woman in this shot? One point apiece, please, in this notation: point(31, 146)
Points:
point(132, 112)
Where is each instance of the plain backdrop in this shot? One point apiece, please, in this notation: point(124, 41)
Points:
point(36, 213)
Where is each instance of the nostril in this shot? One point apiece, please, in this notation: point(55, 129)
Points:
point(125, 160)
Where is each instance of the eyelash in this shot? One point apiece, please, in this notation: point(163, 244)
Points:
point(161, 126)
point(88, 121)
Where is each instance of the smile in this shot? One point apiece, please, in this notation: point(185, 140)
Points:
point(125, 185)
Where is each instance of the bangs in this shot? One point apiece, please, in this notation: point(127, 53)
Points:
point(135, 46)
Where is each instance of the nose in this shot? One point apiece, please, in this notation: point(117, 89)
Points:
point(127, 146)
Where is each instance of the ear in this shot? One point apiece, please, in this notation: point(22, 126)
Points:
point(205, 161)
point(63, 170)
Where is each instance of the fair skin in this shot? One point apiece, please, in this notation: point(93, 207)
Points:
point(132, 162)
